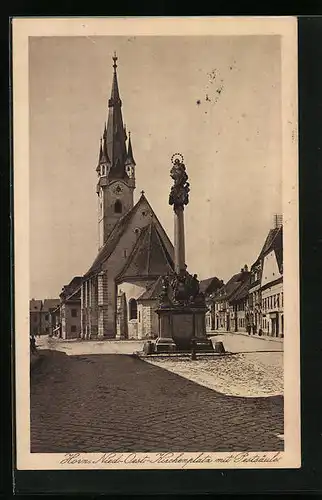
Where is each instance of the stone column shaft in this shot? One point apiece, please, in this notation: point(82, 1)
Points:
point(82, 312)
point(179, 243)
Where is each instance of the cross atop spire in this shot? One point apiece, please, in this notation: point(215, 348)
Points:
point(115, 59)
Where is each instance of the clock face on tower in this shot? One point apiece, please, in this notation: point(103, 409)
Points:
point(118, 189)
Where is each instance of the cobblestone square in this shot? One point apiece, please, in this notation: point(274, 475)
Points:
point(116, 402)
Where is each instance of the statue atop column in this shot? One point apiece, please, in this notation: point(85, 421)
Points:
point(179, 194)
point(181, 288)
point(182, 306)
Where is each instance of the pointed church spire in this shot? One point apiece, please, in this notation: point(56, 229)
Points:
point(100, 156)
point(115, 95)
point(115, 135)
point(129, 158)
point(103, 158)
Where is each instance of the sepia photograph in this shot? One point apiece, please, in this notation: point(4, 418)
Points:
point(156, 243)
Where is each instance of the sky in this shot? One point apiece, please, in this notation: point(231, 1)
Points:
point(214, 99)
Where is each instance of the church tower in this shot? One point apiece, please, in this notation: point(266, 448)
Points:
point(116, 167)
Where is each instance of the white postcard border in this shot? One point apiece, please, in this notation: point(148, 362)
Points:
point(286, 27)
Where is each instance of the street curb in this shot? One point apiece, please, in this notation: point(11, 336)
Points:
point(245, 334)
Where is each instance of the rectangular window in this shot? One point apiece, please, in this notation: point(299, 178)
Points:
point(74, 313)
point(73, 328)
point(139, 316)
point(47, 317)
point(35, 319)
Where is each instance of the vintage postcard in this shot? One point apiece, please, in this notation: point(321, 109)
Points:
point(156, 243)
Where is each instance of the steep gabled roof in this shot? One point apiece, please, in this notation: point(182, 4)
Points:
point(112, 240)
point(75, 295)
point(74, 285)
point(267, 244)
point(277, 246)
point(274, 241)
point(227, 291)
point(149, 257)
point(115, 235)
point(153, 292)
point(242, 291)
point(210, 285)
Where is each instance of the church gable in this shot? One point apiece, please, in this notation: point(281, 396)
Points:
point(270, 269)
point(137, 231)
point(149, 257)
point(124, 236)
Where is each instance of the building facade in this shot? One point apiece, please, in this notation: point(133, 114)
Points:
point(239, 306)
point(230, 302)
point(266, 300)
point(40, 315)
point(209, 287)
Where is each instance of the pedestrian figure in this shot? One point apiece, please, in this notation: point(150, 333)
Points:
point(33, 348)
point(193, 349)
point(249, 329)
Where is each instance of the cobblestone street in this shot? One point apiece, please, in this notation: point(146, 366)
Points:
point(254, 370)
point(112, 402)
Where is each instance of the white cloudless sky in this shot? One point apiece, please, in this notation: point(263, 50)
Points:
point(215, 99)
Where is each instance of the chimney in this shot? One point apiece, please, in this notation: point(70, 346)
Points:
point(277, 221)
point(246, 268)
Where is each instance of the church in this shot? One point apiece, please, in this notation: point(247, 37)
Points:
point(118, 294)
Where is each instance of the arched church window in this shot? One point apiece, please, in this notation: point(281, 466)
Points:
point(118, 207)
point(133, 309)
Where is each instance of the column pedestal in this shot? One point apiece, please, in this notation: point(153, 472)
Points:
point(178, 326)
point(164, 342)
